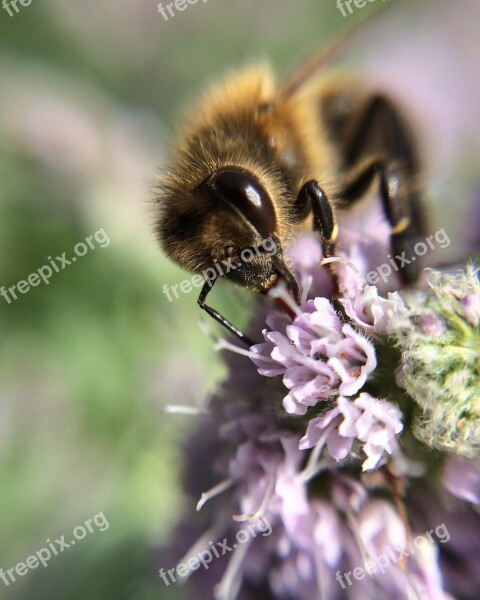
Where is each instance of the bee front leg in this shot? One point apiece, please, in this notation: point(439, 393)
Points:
point(312, 197)
point(217, 316)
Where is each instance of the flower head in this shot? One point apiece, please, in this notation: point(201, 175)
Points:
point(317, 354)
point(310, 448)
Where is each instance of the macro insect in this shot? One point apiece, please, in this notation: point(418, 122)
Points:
point(256, 160)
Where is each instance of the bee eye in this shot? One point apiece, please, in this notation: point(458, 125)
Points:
point(231, 250)
point(246, 195)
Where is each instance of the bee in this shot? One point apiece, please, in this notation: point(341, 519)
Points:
point(257, 160)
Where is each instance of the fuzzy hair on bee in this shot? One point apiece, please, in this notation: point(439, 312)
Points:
point(238, 123)
point(255, 160)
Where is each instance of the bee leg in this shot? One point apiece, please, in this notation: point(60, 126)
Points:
point(378, 138)
point(396, 204)
point(287, 275)
point(311, 196)
point(217, 316)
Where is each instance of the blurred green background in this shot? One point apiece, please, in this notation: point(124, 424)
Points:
point(89, 93)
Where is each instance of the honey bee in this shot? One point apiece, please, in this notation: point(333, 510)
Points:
point(257, 160)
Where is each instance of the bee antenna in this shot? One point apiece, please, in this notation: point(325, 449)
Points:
point(323, 58)
point(217, 316)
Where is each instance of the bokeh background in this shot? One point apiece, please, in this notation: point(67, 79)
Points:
point(89, 94)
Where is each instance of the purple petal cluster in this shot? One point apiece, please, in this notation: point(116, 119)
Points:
point(304, 547)
point(304, 449)
point(375, 314)
point(318, 356)
point(375, 423)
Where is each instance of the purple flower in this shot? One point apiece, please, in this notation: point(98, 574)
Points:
point(305, 254)
point(373, 313)
point(320, 484)
point(374, 422)
point(364, 241)
point(317, 354)
point(461, 477)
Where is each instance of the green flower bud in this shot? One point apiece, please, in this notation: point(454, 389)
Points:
point(441, 362)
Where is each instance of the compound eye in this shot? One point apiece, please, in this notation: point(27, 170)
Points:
point(244, 192)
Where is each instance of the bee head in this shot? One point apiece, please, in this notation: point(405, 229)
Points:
point(250, 253)
point(228, 223)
